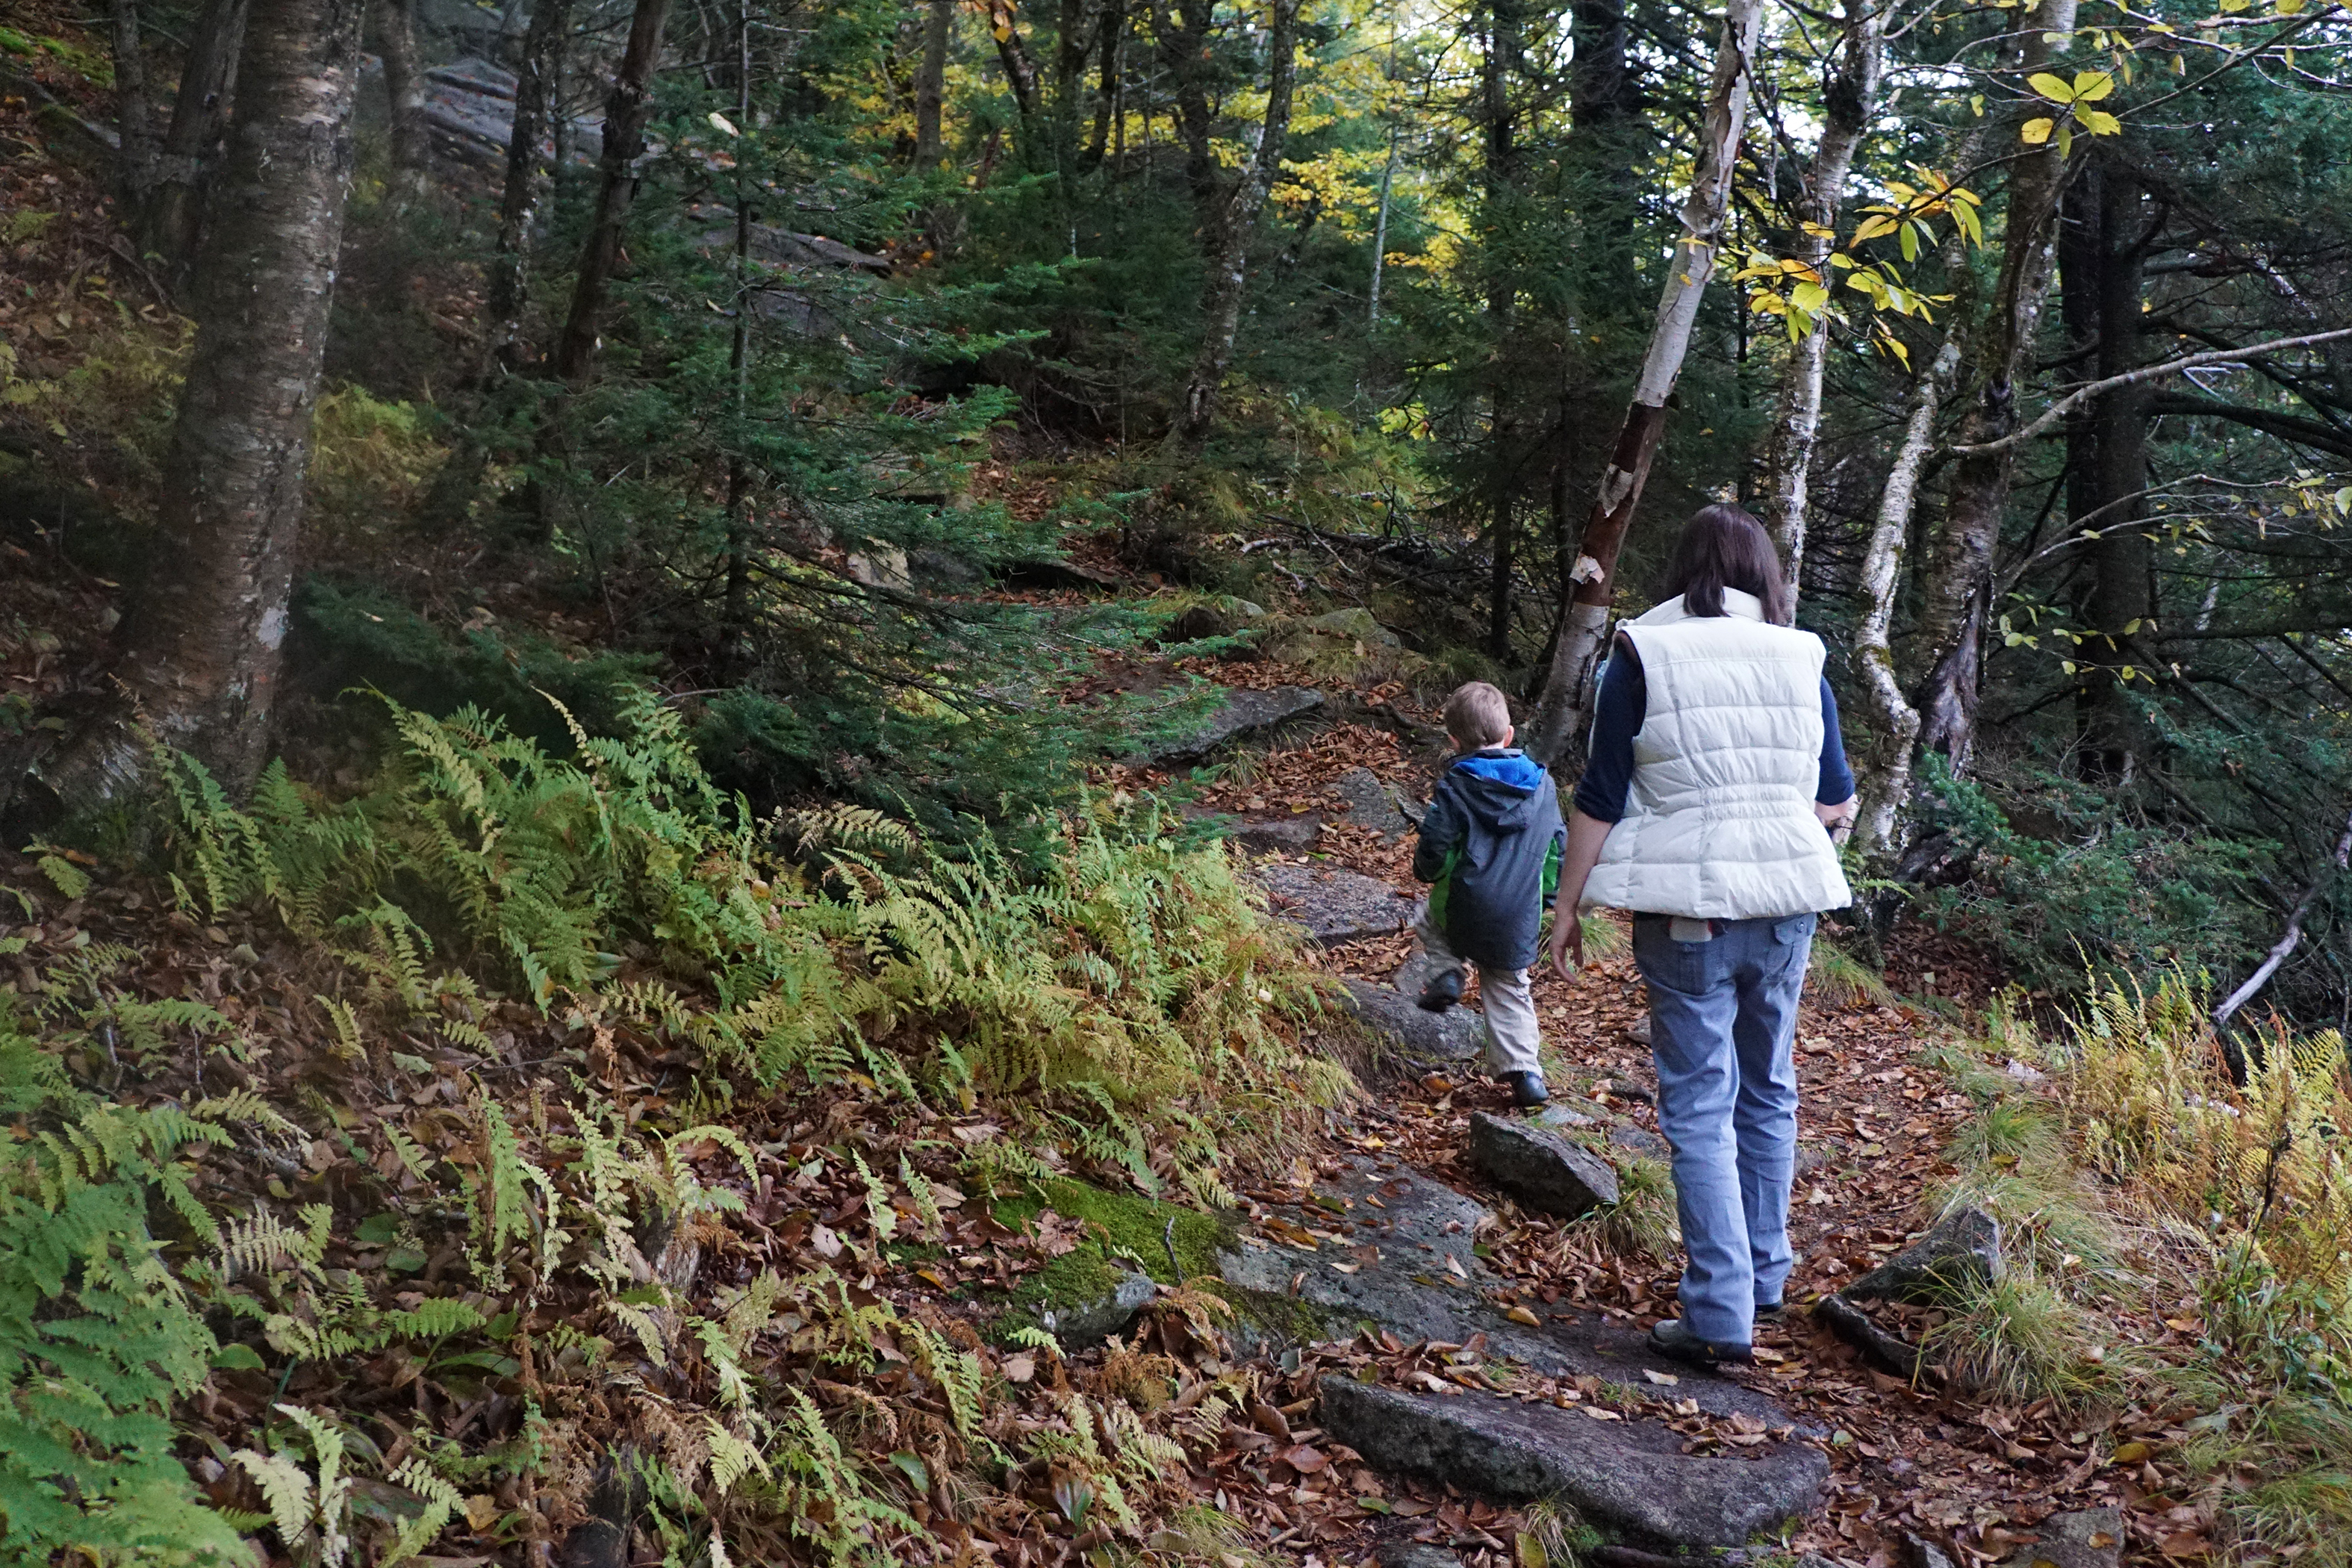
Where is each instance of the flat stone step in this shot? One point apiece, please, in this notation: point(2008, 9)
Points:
point(1336, 905)
point(1397, 1250)
point(1422, 1039)
point(1629, 1476)
point(1242, 715)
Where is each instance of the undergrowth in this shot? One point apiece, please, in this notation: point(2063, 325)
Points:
point(1132, 996)
point(2142, 1173)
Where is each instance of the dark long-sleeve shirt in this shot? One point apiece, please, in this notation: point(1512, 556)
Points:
point(1617, 715)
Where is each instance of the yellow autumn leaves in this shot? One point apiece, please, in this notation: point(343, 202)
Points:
point(2088, 87)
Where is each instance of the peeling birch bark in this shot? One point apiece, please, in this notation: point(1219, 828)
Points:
point(1567, 697)
point(1893, 722)
point(525, 179)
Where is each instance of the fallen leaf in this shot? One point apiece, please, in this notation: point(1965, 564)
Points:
point(1303, 1459)
point(1598, 1413)
point(1662, 1379)
point(1521, 1315)
point(1021, 1368)
point(826, 1240)
point(2128, 1454)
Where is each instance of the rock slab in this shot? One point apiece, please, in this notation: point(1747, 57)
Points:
point(1091, 1323)
point(2090, 1537)
point(1960, 1252)
point(1541, 1170)
point(1627, 1475)
point(1414, 1554)
point(1457, 1034)
point(1336, 905)
point(1240, 715)
point(1371, 803)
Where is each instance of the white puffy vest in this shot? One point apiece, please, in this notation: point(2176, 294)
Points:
point(1719, 821)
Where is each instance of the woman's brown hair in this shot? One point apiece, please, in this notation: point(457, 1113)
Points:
point(1723, 547)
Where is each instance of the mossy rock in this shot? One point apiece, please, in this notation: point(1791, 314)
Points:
point(1127, 1237)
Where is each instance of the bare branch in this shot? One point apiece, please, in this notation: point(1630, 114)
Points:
point(2082, 395)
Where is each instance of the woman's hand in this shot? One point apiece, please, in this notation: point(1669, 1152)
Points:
point(1839, 818)
point(1567, 944)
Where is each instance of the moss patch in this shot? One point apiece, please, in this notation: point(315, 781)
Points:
point(1126, 1233)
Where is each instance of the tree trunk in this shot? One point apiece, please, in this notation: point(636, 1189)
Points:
point(1501, 56)
point(1951, 622)
point(1381, 230)
point(1584, 621)
point(1604, 109)
point(403, 81)
point(1849, 99)
point(135, 110)
point(1183, 33)
point(1893, 722)
point(518, 204)
point(627, 109)
point(1111, 45)
point(1228, 280)
point(930, 85)
point(736, 612)
point(199, 655)
point(1020, 70)
point(2123, 555)
point(173, 216)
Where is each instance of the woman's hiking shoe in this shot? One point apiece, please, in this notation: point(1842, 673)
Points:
point(1769, 1312)
point(1670, 1338)
point(1527, 1088)
point(1442, 992)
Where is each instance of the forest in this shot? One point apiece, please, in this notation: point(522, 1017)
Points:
point(713, 715)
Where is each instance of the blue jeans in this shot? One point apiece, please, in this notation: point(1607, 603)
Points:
point(1723, 1017)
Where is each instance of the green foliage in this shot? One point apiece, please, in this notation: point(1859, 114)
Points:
point(97, 1337)
point(2138, 900)
point(1133, 992)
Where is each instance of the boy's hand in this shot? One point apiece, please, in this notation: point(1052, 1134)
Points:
point(1567, 945)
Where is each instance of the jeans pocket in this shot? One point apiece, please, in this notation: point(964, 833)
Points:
point(1794, 929)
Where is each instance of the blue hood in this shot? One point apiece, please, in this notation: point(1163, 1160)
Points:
point(1515, 768)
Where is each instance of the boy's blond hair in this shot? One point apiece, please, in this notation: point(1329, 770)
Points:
point(1477, 715)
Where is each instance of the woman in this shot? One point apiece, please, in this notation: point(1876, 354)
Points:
point(1714, 783)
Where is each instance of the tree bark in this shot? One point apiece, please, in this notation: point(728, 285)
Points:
point(2123, 555)
point(526, 171)
point(930, 84)
point(199, 654)
point(403, 81)
point(1593, 581)
point(173, 216)
point(1952, 618)
point(135, 109)
point(1849, 101)
point(1380, 231)
point(1228, 278)
point(1020, 70)
point(627, 109)
point(1502, 58)
point(1183, 32)
point(1893, 722)
point(1111, 48)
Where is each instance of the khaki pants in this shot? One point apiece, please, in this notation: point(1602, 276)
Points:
point(1514, 1040)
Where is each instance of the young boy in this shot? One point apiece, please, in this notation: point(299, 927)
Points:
point(1490, 844)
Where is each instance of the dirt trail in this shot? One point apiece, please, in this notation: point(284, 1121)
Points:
point(1972, 1480)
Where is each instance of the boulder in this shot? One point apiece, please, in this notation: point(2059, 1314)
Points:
point(1959, 1253)
point(1458, 1034)
point(1242, 714)
point(1414, 1554)
point(1371, 803)
point(1628, 1475)
point(1541, 1170)
point(1091, 1323)
point(2088, 1538)
point(1890, 1353)
point(1278, 835)
point(1337, 906)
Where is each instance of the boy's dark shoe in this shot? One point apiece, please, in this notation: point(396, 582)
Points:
point(1442, 992)
point(1769, 1312)
point(1671, 1338)
point(1527, 1089)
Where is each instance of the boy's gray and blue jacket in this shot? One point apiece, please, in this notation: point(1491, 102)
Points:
point(1491, 845)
